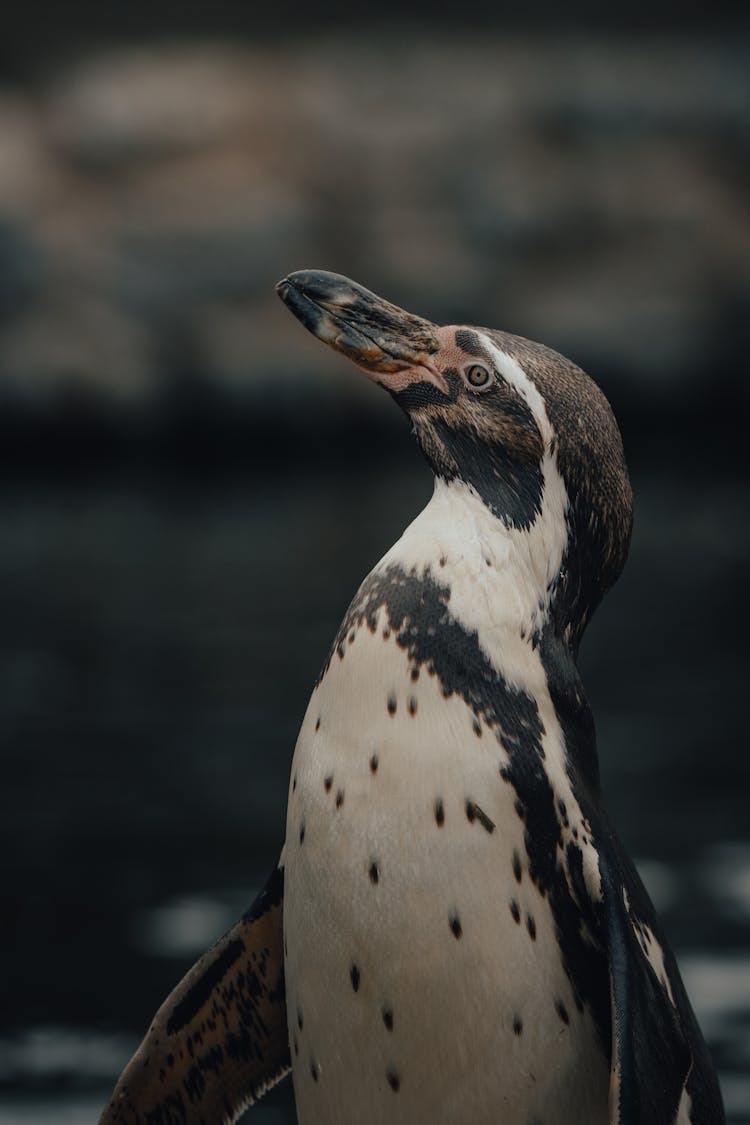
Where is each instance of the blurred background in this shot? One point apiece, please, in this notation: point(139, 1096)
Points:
point(192, 488)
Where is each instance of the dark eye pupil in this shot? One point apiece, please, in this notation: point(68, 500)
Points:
point(478, 376)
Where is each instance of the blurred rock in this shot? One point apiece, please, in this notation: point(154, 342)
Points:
point(140, 104)
point(77, 343)
point(589, 193)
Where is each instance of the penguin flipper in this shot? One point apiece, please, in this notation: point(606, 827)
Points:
point(651, 1016)
point(219, 1040)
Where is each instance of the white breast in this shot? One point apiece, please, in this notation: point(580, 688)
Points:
point(424, 981)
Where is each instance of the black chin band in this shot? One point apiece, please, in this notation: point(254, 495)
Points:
point(511, 489)
point(420, 394)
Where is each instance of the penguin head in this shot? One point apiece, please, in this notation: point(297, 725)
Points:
point(508, 418)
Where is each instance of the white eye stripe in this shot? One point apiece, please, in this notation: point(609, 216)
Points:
point(511, 370)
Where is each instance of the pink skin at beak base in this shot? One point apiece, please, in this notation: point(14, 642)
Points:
point(428, 371)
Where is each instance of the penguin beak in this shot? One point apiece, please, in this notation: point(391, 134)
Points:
point(393, 347)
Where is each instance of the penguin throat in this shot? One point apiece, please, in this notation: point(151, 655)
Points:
point(498, 455)
point(511, 490)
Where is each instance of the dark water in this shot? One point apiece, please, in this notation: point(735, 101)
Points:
point(157, 649)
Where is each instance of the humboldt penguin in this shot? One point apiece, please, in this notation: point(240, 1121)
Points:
point(454, 932)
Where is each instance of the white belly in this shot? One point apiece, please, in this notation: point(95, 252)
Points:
point(424, 982)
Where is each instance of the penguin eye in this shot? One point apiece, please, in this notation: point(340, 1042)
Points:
point(478, 376)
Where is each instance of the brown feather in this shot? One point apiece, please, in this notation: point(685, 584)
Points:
point(220, 1039)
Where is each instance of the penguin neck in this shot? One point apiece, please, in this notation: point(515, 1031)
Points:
point(499, 584)
point(501, 579)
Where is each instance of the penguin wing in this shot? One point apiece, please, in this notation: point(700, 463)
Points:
point(220, 1039)
point(661, 1073)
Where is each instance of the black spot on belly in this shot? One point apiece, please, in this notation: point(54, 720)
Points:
point(314, 1070)
point(388, 1018)
point(412, 705)
point(317, 723)
point(531, 927)
point(477, 728)
point(296, 1046)
point(414, 675)
point(339, 798)
point(517, 865)
point(299, 1017)
point(455, 924)
point(302, 832)
point(294, 784)
point(374, 763)
point(328, 782)
point(394, 1080)
point(562, 1011)
point(439, 812)
point(517, 1025)
point(515, 911)
point(391, 704)
point(474, 812)
point(374, 872)
point(354, 974)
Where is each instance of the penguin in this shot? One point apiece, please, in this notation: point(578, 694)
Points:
point(454, 932)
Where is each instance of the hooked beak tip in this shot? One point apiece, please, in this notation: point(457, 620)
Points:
point(375, 334)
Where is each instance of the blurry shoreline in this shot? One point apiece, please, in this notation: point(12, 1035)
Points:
point(589, 192)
